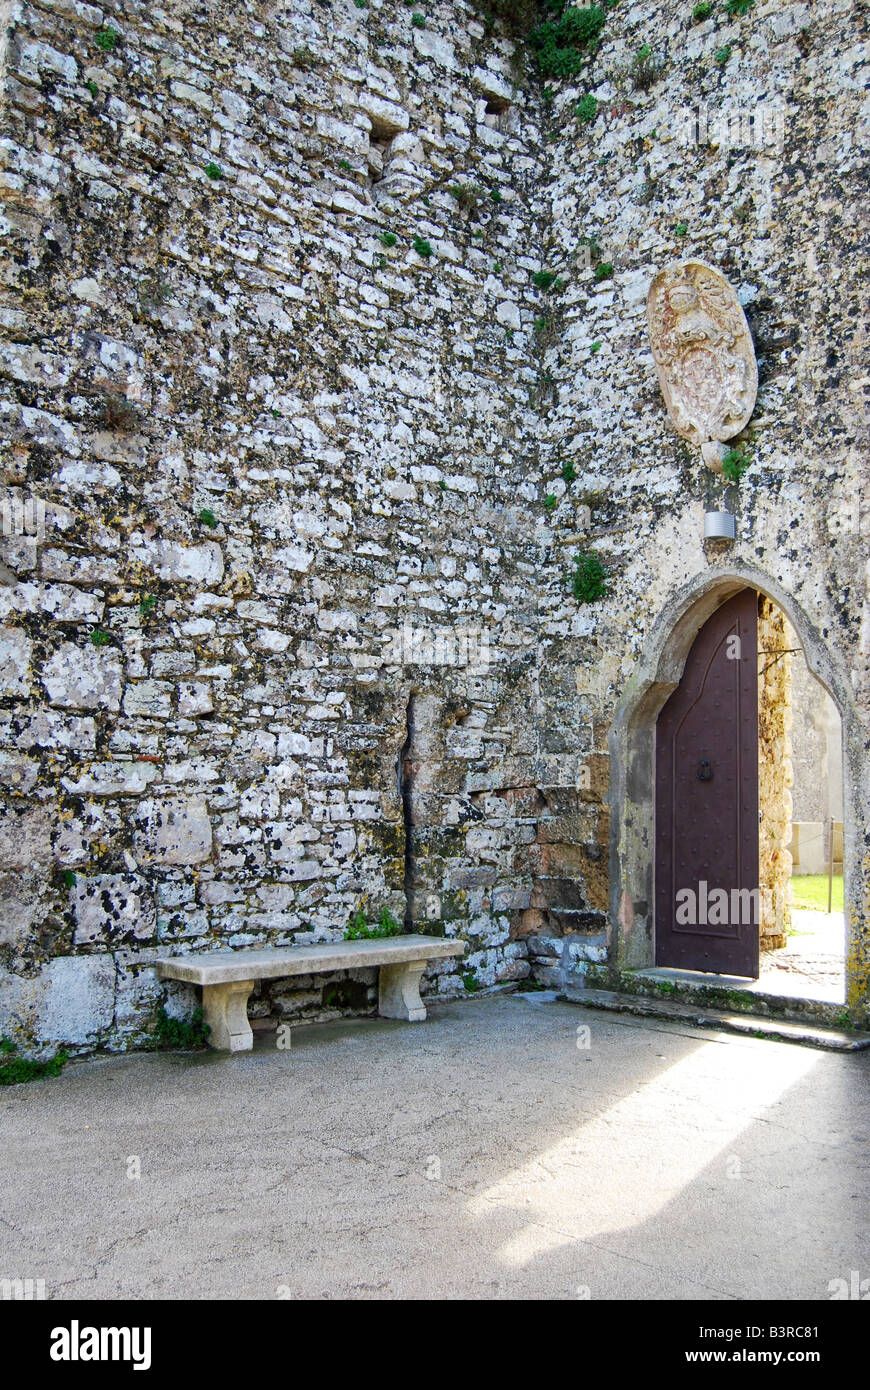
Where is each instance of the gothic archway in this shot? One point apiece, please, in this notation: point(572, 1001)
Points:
point(632, 761)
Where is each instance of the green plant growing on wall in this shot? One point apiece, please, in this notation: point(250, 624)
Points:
point(422, 247)
point(545, 328)
point(107, 39)
point(305, 59)
point(207, 518)
point(722, 55)
point(595, 347)
point(738, 7)
point(604, 271)
point(589, 580)
point(562, 44)
point(702, 11)
point(587, 108)
point(551, 501)
point(645, 68)
point(569, 472)
point(147, 604)
point(346, 165)
point(418, 20)
point(358, 928)
point(15, 1070)
point(734, 464)
point(182, 1033)
point(213, 171)
point(495, 195)
point(471, 982)
point(99, 638)
point(69, 878)
point(593, 245)
point(681, 229)
point(357, 925)
point(545, 279)
point(93, 88)
point(388, 238)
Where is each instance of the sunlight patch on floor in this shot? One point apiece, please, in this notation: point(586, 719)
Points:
point(623, 1166)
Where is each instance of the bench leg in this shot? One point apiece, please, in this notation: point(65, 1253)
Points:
point(399, 991)
point(226, 1012)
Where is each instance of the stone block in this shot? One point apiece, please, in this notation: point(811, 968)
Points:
point(79, 1001)
point(15, 652)
point(84, 677)
point(176, 830)
point(25, 838)
point(108, 908)
point(22, 905)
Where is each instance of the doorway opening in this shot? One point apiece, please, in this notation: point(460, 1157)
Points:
point(725, 821)
point(801, 837)
point(830, 764)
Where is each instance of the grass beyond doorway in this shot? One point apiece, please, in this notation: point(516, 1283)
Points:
point(810, 892)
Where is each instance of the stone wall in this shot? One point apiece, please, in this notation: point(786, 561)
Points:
point(298, 632)
point(775, 773)
point(753, 164)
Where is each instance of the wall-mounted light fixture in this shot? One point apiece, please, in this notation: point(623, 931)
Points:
point(720, 526)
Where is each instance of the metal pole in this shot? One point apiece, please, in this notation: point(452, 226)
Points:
point(831, 864)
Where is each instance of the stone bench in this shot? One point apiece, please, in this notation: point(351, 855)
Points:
point(227, 977)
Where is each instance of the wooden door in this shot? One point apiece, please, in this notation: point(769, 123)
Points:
point(707, 899)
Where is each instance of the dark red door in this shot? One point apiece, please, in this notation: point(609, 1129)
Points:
point(706, 898)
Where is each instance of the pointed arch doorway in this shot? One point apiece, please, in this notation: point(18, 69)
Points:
point(632, 747)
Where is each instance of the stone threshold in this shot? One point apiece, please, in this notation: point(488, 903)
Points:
point(723, 994)
point(747, 1025)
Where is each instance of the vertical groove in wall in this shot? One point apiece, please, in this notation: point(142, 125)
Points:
point(406, 782)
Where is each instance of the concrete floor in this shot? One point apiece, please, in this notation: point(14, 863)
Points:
point(481, 1154)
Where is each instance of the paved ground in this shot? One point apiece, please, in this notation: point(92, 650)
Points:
point(480, 1154)
point(812, 965)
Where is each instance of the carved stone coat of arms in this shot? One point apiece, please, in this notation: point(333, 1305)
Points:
point(703, 353)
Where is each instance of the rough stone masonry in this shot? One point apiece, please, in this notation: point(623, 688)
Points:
point(313, 354)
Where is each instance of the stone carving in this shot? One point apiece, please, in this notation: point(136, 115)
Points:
point(703, 354)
